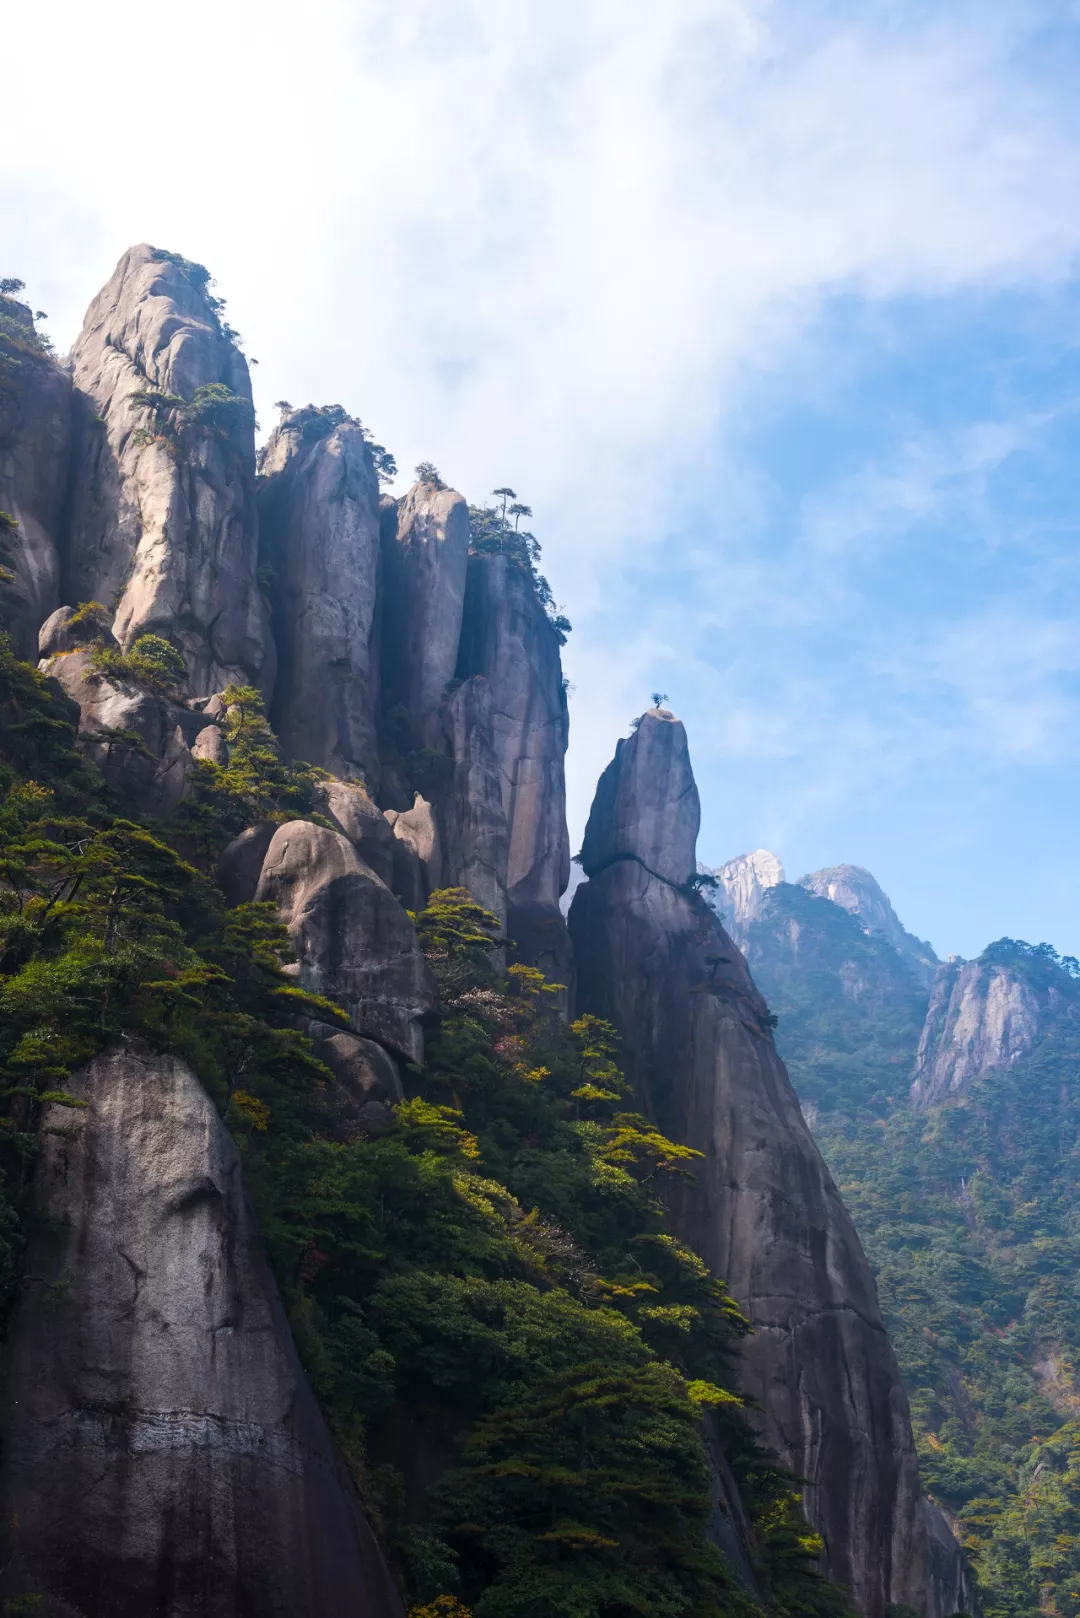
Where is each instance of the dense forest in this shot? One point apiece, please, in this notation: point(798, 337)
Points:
point(970, 1214)
point(523, 1368)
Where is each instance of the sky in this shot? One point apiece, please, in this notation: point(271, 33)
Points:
point(768, 308)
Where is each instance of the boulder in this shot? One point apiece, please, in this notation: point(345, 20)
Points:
point(35, 432)
point(425, 552)
point(353, 940)
point(361, 820)
point(56, 634)
point(162, 1449)
point(163, 522)
point(240, 864)
point(210, 744)
point(318, 502)
point(762, 1210)
point(142, 742)
point(367, 1082)
point(418, 830)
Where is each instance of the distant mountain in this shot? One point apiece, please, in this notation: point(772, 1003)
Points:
point(946, 1100)
point(859, 893)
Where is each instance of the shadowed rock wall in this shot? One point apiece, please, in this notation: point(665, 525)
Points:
point(163, 1453)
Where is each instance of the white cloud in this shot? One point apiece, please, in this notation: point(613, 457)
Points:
point(564, 244)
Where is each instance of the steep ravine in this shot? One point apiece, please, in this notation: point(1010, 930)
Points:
point(392, 1093)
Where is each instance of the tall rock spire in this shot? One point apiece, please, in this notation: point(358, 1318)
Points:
point(35, 413)
point(163, 527)
point(425, 556)
point(319, 535)
point(508, 644)
point(763, 1211)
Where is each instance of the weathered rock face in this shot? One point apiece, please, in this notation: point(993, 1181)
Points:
point(354, 942)
point(425, 551)
point(35, 428)
point(319, 531)
point(142, 743)
point(163, 1452)
point(361, 820)
point(367, 1082)
point(476, 850)
point(951, 1590)
point(742, 884)
point(983, 1015)
point(646, 806)
point(163, 526)
point(507, 641)
point(763, 1211)
point(856, 891)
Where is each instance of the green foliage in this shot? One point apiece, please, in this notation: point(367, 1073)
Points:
point(500, 1264)
point(487, 1295)
point(89, 622)
point(492, 534)
point(213, 411)
point(153, 662)
point(257, 783)
point(314, 422)
point(970, 1215)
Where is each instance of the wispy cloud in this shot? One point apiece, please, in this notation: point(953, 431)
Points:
point(581, 247)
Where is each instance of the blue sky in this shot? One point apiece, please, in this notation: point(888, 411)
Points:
point(769, 308)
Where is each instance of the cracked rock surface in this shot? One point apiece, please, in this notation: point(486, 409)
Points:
point(164, 1454)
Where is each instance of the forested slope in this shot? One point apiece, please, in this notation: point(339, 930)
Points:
point(970, 1213)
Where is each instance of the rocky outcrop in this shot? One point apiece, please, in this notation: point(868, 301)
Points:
point(741, 886)
point(507, 641)
point(763, 1211)
point(163, 1452)
point(354, 942)
point(35, 424)
point(985, 1014)
point(318, 500)
point(856, 891)
point(361, 820)
point(425, 551)
point(143, 743)
point(951, 1590)
point(163, 525)
point(367, 1084)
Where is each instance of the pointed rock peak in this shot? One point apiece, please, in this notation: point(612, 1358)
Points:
point(646, 806)
point(854, 889)
point(158, 310)
point(742, 885)
point(298, 428)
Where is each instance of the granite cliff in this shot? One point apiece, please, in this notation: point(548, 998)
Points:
point(178, 591)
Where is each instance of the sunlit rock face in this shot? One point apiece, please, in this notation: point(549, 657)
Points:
point(35, 431)
point(983, 1015)
point(163, 1452)
point(163, 523)
point(763, 1211)
point(856, 891)
point(318, 499)
point(425, 553)
point(741, 887)
point(354, 942)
